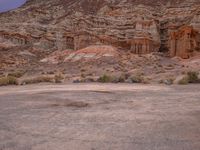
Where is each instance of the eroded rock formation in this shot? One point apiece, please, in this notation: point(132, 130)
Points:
point(184, 42)
point(141, 26)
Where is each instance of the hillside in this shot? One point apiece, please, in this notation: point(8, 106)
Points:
point(157, 39)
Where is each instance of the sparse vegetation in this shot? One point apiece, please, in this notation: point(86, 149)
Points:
point(9, 80)
point(122, 79)
point(137, 79)
point(58, 78)
point(191, 77)
point(105, 79)
point(183, 81)
point(38, 80)
point(44, 78)
point(16, 74)
point(113, 79)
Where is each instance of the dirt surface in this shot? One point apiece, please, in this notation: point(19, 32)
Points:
point(100, 117)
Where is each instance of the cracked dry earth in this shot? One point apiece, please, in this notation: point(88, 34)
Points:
point(100, 117)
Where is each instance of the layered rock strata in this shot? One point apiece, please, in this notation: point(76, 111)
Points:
point(141, 27)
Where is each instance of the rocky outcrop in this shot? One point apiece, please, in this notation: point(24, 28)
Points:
point(184, 42)
point(140, 27)
point(93, 53)
point(15, 38)
point(88, 53)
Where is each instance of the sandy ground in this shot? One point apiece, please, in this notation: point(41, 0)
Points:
point(100, 117)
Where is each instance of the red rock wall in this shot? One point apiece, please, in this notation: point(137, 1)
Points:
point(183, 42)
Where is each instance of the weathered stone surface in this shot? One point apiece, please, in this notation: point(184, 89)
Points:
point(184, 42)
point(141, 26)
point(92, 53)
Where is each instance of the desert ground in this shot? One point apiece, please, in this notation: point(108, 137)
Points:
point(100, 117)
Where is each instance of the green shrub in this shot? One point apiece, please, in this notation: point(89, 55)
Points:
point(183, 81)
point(12, 80)
point(193, 77)
point(9, 80)
point(190, 77)
point(105, 79)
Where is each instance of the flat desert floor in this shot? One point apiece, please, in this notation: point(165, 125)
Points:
point(100, 117)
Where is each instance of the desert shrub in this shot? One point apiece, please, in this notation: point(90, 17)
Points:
point(38, 80)
point(193, 77)
point(58, 78)
point(122, 79)
point(105, 79)
point(117, 79)
point(9, 80)
point(183, 81)
point(16, 74)
point(3, 81)
point(86, 80)
point(44, 79)
point(190, 77)
point(137, 79)
point(12, 80)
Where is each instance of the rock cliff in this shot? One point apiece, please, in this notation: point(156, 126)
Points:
point(43, 28)
point(138, 26)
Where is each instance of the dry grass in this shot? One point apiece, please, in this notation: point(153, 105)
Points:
point(137, 79)
point(183, 81)
point(17, 74)
point(191, 77)
point(44, 78)
point(58, 78)
point(105, 79)
point(39, 79)
point(9, 80)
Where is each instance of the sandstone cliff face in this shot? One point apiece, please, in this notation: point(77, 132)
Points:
point(141, 27)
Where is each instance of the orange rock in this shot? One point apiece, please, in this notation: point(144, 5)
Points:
point(183, 42)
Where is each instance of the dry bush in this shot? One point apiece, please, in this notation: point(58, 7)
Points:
point(9, 80)
point(58, 78)
point(38, 80)
point(183, 81)
point(191, 77)
point(137, 79)
point(105, 79)
point(16, 74)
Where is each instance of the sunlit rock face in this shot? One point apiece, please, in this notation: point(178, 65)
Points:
point(140, 27)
